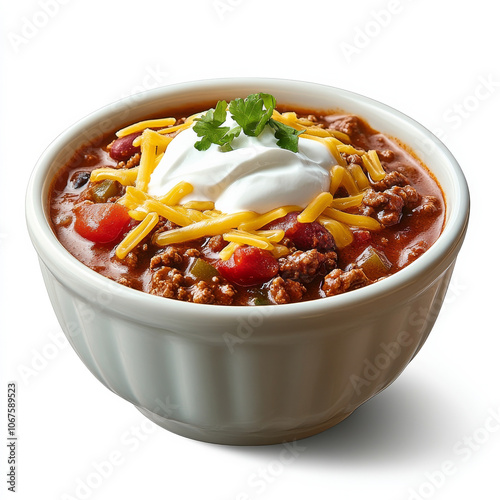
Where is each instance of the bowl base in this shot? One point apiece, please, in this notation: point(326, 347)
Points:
point(221, 436)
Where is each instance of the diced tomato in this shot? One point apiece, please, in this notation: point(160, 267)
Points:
point(101, 222)
point(304, 236)
point(248, 266)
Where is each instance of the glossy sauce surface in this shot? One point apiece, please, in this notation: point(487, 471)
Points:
point(400, 243)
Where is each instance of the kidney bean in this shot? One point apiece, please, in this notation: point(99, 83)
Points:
point(304, 236)
point(122, 148)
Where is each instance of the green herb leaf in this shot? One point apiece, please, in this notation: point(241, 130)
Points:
point(253, 113)
point(288, 137)
point(209, 128)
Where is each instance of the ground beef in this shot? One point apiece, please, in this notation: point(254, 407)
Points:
point(216, 291)
point(216, 243)
point(170, 257)
point(133, 161)
point(338, 281)
point(305, 266)
point(174, 256)
point(131, 259)
point(348, 124)
point(173, 283)
point(428, 205)
point(416, 251)
point(289, 244)
point(192, 253)
point(286, 291)
point(166, 282)
point(354, 159)
point(309, 268)
point(135, 257)
point(125, 281)
point(391, 179)
point(202, 293)
point(163, 225)
point(386, 155)
point(387, 206)
point(409, 195)
point(223, 291)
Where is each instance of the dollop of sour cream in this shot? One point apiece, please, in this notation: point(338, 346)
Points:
point(256, 175)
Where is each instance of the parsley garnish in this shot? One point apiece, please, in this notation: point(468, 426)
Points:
point(208, 127)
point(288, 137)
point(252, 115)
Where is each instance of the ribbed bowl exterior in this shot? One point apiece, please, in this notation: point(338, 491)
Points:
point(247, 375)
point(237, 383)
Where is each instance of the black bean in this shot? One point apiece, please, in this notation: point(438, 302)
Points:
point(79, 179)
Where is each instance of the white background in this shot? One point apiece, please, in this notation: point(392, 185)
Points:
point(433, 433)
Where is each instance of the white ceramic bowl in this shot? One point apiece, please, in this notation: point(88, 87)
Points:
point(247, 375)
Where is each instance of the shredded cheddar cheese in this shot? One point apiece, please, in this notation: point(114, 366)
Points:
point(140, 126)
point(207, 227)
point(146, 164)
point(200, 205)
point(137, 235)
point(373, 166)
point(280, 251)
point(340, 232)
point(316, 207)
point(246, 238)
point(349, 183)
point(137, 214)
point(125, 177)
point(347, 149)
point(175, 195)
point(228, 250)
point(336, 177)
point(362, 221)
point(347, 202)
point(272, 235)
point(359, 176)
point(266, 218)
point(198, 219)
point(168, 212)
